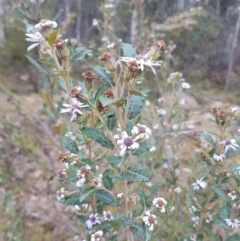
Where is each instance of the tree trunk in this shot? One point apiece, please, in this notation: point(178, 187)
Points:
point(78, 25)
point(231, 54)
point(134, 24)
point(2, 35)
point(180, 4)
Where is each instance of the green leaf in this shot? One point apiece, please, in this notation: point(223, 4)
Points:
point(127, 222)
point(70, 145)
point(107, 182)
point(104, 75)
point(143, 147)
point(111, 119)
point(128, 50)
point(97, 136)
point(86, 161)
point(62, 83)
point(136, 105)
point(117, 160)
point(58, 14)
point(100, 91)
point(234, 237)
point(49, 113)
point(25, 13)
point(143, 198)
point(53, 36)
point(234, 167)
point(129, 127)
point(225, 212)
point(107, 101)
point(220, 193)
point(86, 194)
point(40, 69)
point(232, 153)
point(73, 199)
point(137, 175)
point(137, 229)
point(211, 234)
point(208, 137)
point(105, 197)
point(79, 54)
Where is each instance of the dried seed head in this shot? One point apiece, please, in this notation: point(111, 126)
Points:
point(108, 93)
point(45, 27)
point(61, 47)
point(76, 92)
point(132, 70)
point(88, 79)
point(109, 61)
point(100, 107)
point(62, 157)
point(155, 50)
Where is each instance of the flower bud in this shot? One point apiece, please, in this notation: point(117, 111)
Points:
point(61, 47)
point(109, 61)
point(100, 107)
point(108, 93)
point(76, 92)
point(132, 70)
point(88, 79)
point(155, 50)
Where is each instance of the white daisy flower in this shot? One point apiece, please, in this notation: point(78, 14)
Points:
point(126, 143)
point(232, 195)
point(160, 203)
point(82, 175)
point(150, 220)
point(161, 112)
point(152, 149)
point(97, 236)
point(94, 22)
point(36, 38)
point(93, 220)
point(186, 85)
point(233, 223)
point(60, 194)
point(229, 144)
point(199, 184)
point(120, 195)
point(177, 190)
point(107, 216)
point(234, 109)
point(142, 61)
point(73, 109)
point(141, 131)
point(218, 157)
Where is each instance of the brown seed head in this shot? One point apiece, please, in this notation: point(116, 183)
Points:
point(160, 45)
point(61, 48)
point(89, 75)
point(62, 157)
point(108, 93)
point(106, 56)
point(100, 107)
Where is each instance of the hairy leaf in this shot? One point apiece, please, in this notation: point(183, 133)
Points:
point(97, 136)
point(70, 145)
point(78, 54)
point(104, 75)
point(137, 175)
point(128, 50)
point(86, 194)
point(105, 197)
point(136, 105)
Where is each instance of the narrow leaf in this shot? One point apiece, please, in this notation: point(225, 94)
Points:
point(220, 193)
point(104, 75)
point(107, 101)
point(105, 197)
point(70, 145)
point(136, 105)
point(87, 194)
point(137, 175)
point(40, 69)
point(128, 50)
point(97, 136)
